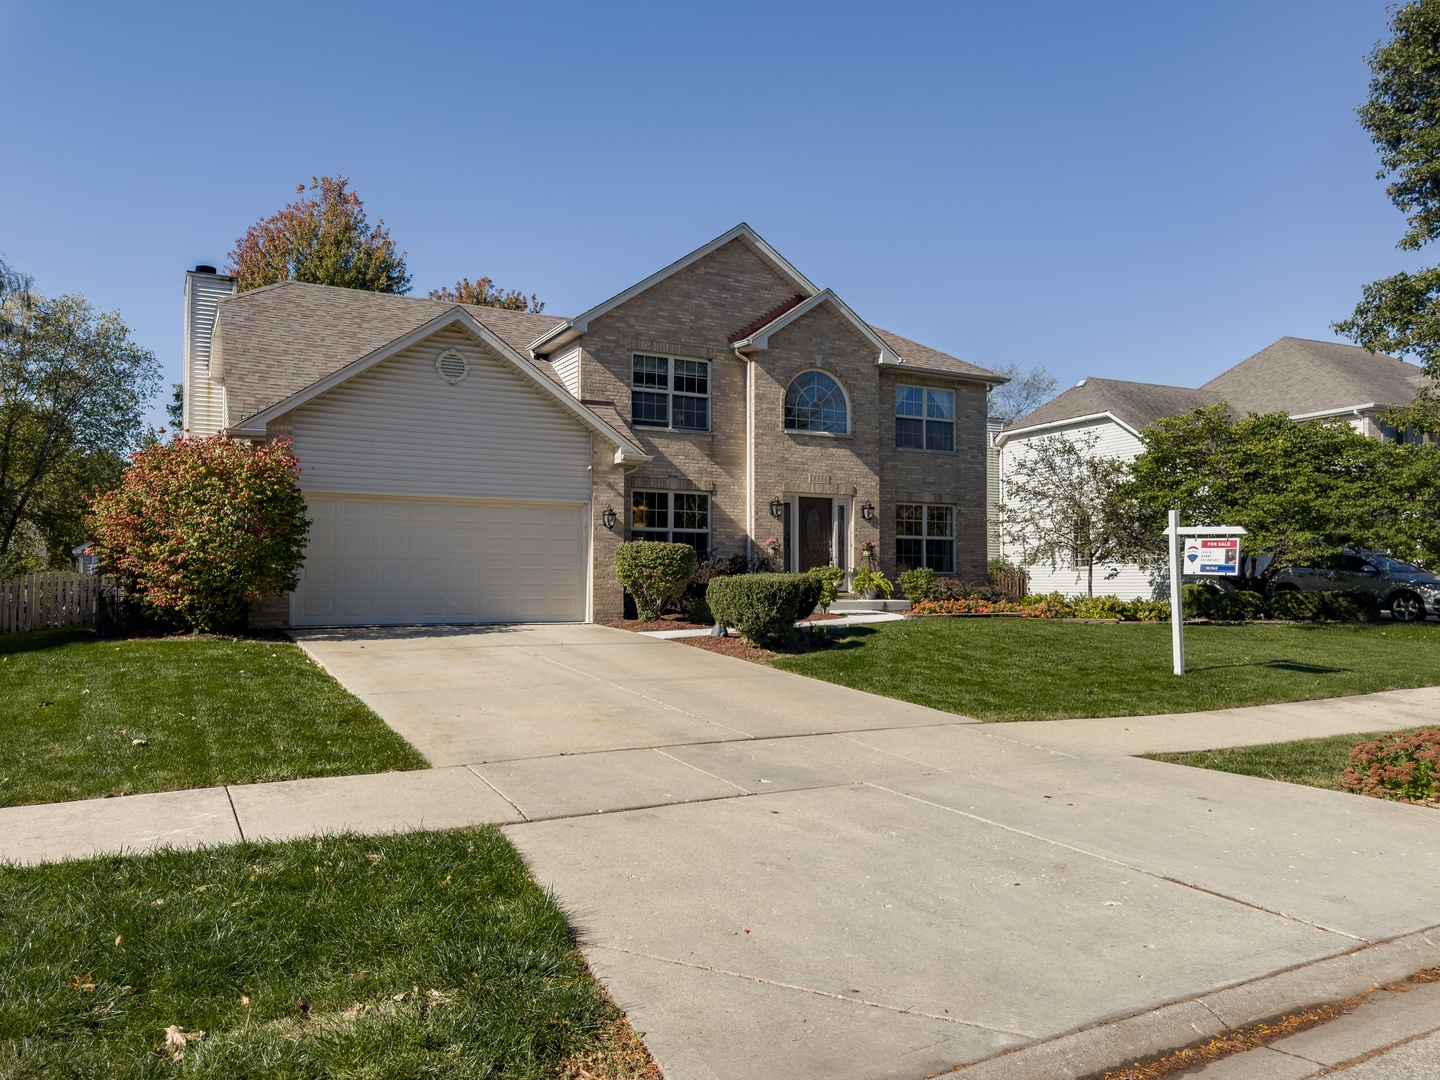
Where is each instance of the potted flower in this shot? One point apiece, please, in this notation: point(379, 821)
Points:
point(772, 548)
point(872, 584)
point(867, 554)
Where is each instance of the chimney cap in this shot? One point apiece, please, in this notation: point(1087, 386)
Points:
point(203, 269)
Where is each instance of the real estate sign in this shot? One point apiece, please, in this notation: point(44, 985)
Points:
point(1215, 555)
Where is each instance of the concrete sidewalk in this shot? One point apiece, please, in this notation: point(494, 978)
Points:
point(777, 876)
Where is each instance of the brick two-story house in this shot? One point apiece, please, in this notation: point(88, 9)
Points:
point(471, 464)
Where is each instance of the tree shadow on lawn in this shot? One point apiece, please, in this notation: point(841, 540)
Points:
point(40, 640)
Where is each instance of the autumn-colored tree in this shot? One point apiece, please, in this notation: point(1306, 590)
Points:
point(484, 293)
point(324, 239)
point(198, 527)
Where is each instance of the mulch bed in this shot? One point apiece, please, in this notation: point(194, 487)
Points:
point(733, 646)
point(665, 622)
point(821, 616)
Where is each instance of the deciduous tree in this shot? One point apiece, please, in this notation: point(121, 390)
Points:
point(198, 527)
point(1055, 510)
point(324, 239)
point(1302, 491)
point(1023, 394)
point(1401, 314)
point(72, 387)
point(486, 294)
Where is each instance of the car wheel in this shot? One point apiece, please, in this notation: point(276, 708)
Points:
point(1407, 607)
point(1287, 587)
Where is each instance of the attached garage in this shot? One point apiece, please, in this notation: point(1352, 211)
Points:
point(393, 561)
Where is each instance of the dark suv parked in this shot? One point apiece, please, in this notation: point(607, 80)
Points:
point(1409, 592)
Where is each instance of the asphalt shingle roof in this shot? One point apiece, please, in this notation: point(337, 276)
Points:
point(277, 340)
point(1300, 376)
point(1134, 403)
point(924, 356)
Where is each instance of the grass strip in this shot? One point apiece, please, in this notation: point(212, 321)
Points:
point(423, 954)
point(81, 717)
point(1034, 669)
point(1313, 762)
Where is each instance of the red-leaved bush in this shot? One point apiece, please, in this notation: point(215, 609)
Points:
point(199, 527)
point(1396, 766)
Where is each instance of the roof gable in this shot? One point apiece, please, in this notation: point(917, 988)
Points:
point(275, 341)
point(1303, 377)
point(558, 335)
point(1133, 405)
point(455, 315)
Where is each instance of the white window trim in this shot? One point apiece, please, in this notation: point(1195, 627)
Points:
point(925, 536)
point(848, 433)
point(925, 420)
point(671, 394)
point(670, 529)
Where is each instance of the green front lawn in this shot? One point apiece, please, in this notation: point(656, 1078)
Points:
point(425, 954)
point(1313, 762)
point(209, 711)
point(1035, 669)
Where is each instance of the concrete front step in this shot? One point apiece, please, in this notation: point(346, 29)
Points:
point(840, 607)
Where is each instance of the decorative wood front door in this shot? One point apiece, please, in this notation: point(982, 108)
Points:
point(814, 547)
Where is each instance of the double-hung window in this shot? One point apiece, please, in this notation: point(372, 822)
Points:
point(924, 536)
point(668, 392)
point(676, 517)
point(924, 419)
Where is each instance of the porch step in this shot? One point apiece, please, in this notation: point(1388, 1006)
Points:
point(842, 607)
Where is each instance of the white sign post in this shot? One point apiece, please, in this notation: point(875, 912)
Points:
point(1211, 550)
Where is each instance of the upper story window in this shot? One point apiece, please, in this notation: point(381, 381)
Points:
point(668, 392)
point(815, 404)
point(924, 419)
point(677, 517)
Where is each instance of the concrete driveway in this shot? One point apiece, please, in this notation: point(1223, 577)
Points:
point(780, 877)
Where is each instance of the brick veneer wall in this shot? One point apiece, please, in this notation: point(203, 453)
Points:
point(691, 314)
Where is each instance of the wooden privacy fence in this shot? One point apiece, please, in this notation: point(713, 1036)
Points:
point(1012, 581)
point(47, 601)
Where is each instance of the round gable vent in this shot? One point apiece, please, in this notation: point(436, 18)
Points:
point(452, 366)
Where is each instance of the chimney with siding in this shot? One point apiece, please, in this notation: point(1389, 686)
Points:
point(204, 390)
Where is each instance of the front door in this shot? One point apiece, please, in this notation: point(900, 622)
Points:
point(814, 534)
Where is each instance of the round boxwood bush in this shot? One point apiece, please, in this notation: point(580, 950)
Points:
point(763, 607)
point(654, 573)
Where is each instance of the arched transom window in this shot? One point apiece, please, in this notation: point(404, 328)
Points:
point(815, 404)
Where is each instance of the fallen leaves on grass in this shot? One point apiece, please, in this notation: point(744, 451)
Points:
point(84, 983)
point(620, 1056)
point(177, 1039)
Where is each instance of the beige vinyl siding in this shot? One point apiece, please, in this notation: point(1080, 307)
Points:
point(568, 368)
point(399, 429)
point(1129, 581)
point(204, 412)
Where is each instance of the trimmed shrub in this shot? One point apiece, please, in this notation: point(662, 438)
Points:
point(1239, 606)
point(763, 607)
point(830, 579)
point(692, 601)
point(1100, 607)
point(1198, 601)
point(199, 527)
point(1336, 605)
point(1396, 766)
point(1139, 610)
point(918, 584)
point(654, 573)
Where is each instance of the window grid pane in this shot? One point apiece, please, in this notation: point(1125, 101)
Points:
point(650, 372)
point(692, 377)
point(692, 511)
point(649, 510)
point(692, 413)
point(909, 401)
point(939, 435)
point(909, 554)
point(909, 434)
point(940, 404)
point(939, 521)
point(814, 402)
point(909, 519)
point(652, 410)
point(940, 556)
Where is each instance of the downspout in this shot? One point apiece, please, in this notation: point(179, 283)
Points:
point(749, 457)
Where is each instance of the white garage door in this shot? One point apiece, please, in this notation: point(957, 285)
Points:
point(398, 562)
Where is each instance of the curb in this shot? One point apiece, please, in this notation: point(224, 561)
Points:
point(1089, 1053)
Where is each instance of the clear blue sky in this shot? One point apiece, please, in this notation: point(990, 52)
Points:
point(1128, 190)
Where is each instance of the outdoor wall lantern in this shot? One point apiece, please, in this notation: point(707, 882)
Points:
point(777, 506)
point(867, 511)
point(607, 517)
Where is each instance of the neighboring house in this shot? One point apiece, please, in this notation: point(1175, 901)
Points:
point(85, 558)
point(1309, 380)
point(459, 462)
